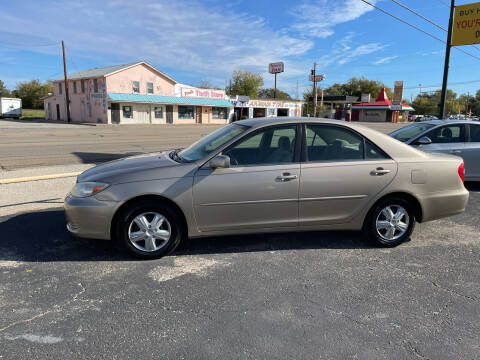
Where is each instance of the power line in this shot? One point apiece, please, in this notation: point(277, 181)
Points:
point(416, 28)
point(444, 3)
point(437, 86)
point(424, 18)
point(28, 45)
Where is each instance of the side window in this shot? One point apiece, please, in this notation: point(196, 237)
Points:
point(333, 143)
point(474, 133)
point(447, 134)
point(373, 152)
point(273, 145)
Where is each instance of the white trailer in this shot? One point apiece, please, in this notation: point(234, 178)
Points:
point(10, 107)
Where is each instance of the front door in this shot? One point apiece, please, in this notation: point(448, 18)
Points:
point(258, 190)
point(58, 111)
point(115, 109)
point(341, 174)
point(198, 114)
point(169, 114)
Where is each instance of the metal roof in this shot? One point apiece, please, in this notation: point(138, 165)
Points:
point(97, 72)
point(157, 99)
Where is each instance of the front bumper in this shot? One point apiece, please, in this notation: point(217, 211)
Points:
point(89, 217)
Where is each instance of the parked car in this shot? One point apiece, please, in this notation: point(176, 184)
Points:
point(10, 107)
point(457, 137)
point(267, 175)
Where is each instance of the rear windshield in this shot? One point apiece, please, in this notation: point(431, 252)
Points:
point(408, 132)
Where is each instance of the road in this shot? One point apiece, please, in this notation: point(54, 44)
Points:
point(314, 295)
point(26, 144)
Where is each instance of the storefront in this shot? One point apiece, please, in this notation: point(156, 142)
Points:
point(381, 110)
point(255, 108)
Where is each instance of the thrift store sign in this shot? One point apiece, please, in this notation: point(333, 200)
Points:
point(466, 25)
point(203, 93)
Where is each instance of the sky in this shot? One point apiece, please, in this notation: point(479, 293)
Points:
point(194, 40)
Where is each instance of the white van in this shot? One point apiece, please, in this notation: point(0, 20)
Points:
point(10, 107)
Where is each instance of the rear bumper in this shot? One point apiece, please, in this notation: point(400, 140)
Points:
point(440, 205)
point(89, 217)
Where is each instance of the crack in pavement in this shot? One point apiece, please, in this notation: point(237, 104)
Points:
point(59, 308)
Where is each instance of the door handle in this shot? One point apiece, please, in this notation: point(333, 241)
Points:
point(286, 177)
point(380, 171)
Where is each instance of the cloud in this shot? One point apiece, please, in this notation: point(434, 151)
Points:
point(184, 35)
point(384, 60)
point(319, 17)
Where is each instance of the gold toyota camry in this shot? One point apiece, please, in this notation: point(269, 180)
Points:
point(267, 175)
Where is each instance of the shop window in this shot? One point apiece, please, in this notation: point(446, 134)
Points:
point(149, 88)
point(82, 85)
point(127, 112)
point(60, 88)
point(159, 112)
point(95, 86)
point(271, 112)
point(74, 87)
point(186, 112)
point(136, 87)
point(219, 113)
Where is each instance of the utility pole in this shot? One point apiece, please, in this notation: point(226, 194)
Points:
point(314, 90)
point(443, 97)
point(275, 87)
point(67, 98)
point(296, 91)
point(419, 89)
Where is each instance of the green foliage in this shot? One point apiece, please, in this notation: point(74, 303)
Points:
point(357, 87)
point(32, 93)
point(268, 94)
point(427, 103)
point(245, 83)
point(4, 92)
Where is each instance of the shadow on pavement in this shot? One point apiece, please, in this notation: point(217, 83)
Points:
point(42, 237)
point(98, 158)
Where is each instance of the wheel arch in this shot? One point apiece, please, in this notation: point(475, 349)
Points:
point(141, 198)
point(417, 207)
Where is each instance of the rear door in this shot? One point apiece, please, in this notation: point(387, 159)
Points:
point(448, 139)
point(471, 153)
point(342, 172)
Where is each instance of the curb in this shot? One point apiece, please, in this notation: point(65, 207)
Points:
point(40, 177)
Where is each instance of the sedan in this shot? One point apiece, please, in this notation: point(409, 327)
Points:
point(457, 137)
point(267, 175)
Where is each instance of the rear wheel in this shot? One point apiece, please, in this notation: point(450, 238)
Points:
point(390, 222)
point(149, 229)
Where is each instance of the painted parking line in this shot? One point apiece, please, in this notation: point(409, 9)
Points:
point(40, 177)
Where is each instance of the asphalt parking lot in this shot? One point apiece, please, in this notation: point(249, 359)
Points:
point(309, 295)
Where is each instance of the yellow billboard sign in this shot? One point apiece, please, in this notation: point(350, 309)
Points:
point(466, 25)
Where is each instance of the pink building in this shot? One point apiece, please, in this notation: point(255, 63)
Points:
point(135, 93)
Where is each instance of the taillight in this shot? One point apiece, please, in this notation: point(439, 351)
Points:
point(461, 172)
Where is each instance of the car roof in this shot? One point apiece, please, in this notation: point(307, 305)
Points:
point(446, 121)
point(257, 122)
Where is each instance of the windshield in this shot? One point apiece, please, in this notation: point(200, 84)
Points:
point(408, 132)
point(211, 142)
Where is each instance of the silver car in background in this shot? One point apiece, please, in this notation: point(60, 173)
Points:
point(457, 137)
point(267, 175)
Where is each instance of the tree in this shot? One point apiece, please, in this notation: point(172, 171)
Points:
point(427, 103)
point(204, 84)
point(268, 94)
point(32, 93)
point(357, 87)
point(245, 83)
point(4, 92)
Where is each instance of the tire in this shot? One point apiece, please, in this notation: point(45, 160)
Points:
point(153, 237)
point(387, 231)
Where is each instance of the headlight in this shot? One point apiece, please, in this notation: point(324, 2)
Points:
point(84, 189)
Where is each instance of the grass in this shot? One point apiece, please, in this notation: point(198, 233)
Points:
point(32, 114)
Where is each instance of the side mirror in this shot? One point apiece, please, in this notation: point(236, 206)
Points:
point(219, 161)
point(424, 140)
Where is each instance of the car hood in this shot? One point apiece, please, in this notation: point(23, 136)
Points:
point(138, 168)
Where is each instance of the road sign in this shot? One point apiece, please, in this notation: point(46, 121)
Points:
point(320, 77)
point(275, 68)
point(397, 92)
point(365, 98)
point(395, 107)
point(466, 25)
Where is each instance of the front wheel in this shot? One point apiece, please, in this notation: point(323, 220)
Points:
point(149, 230)
point(390, 222)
